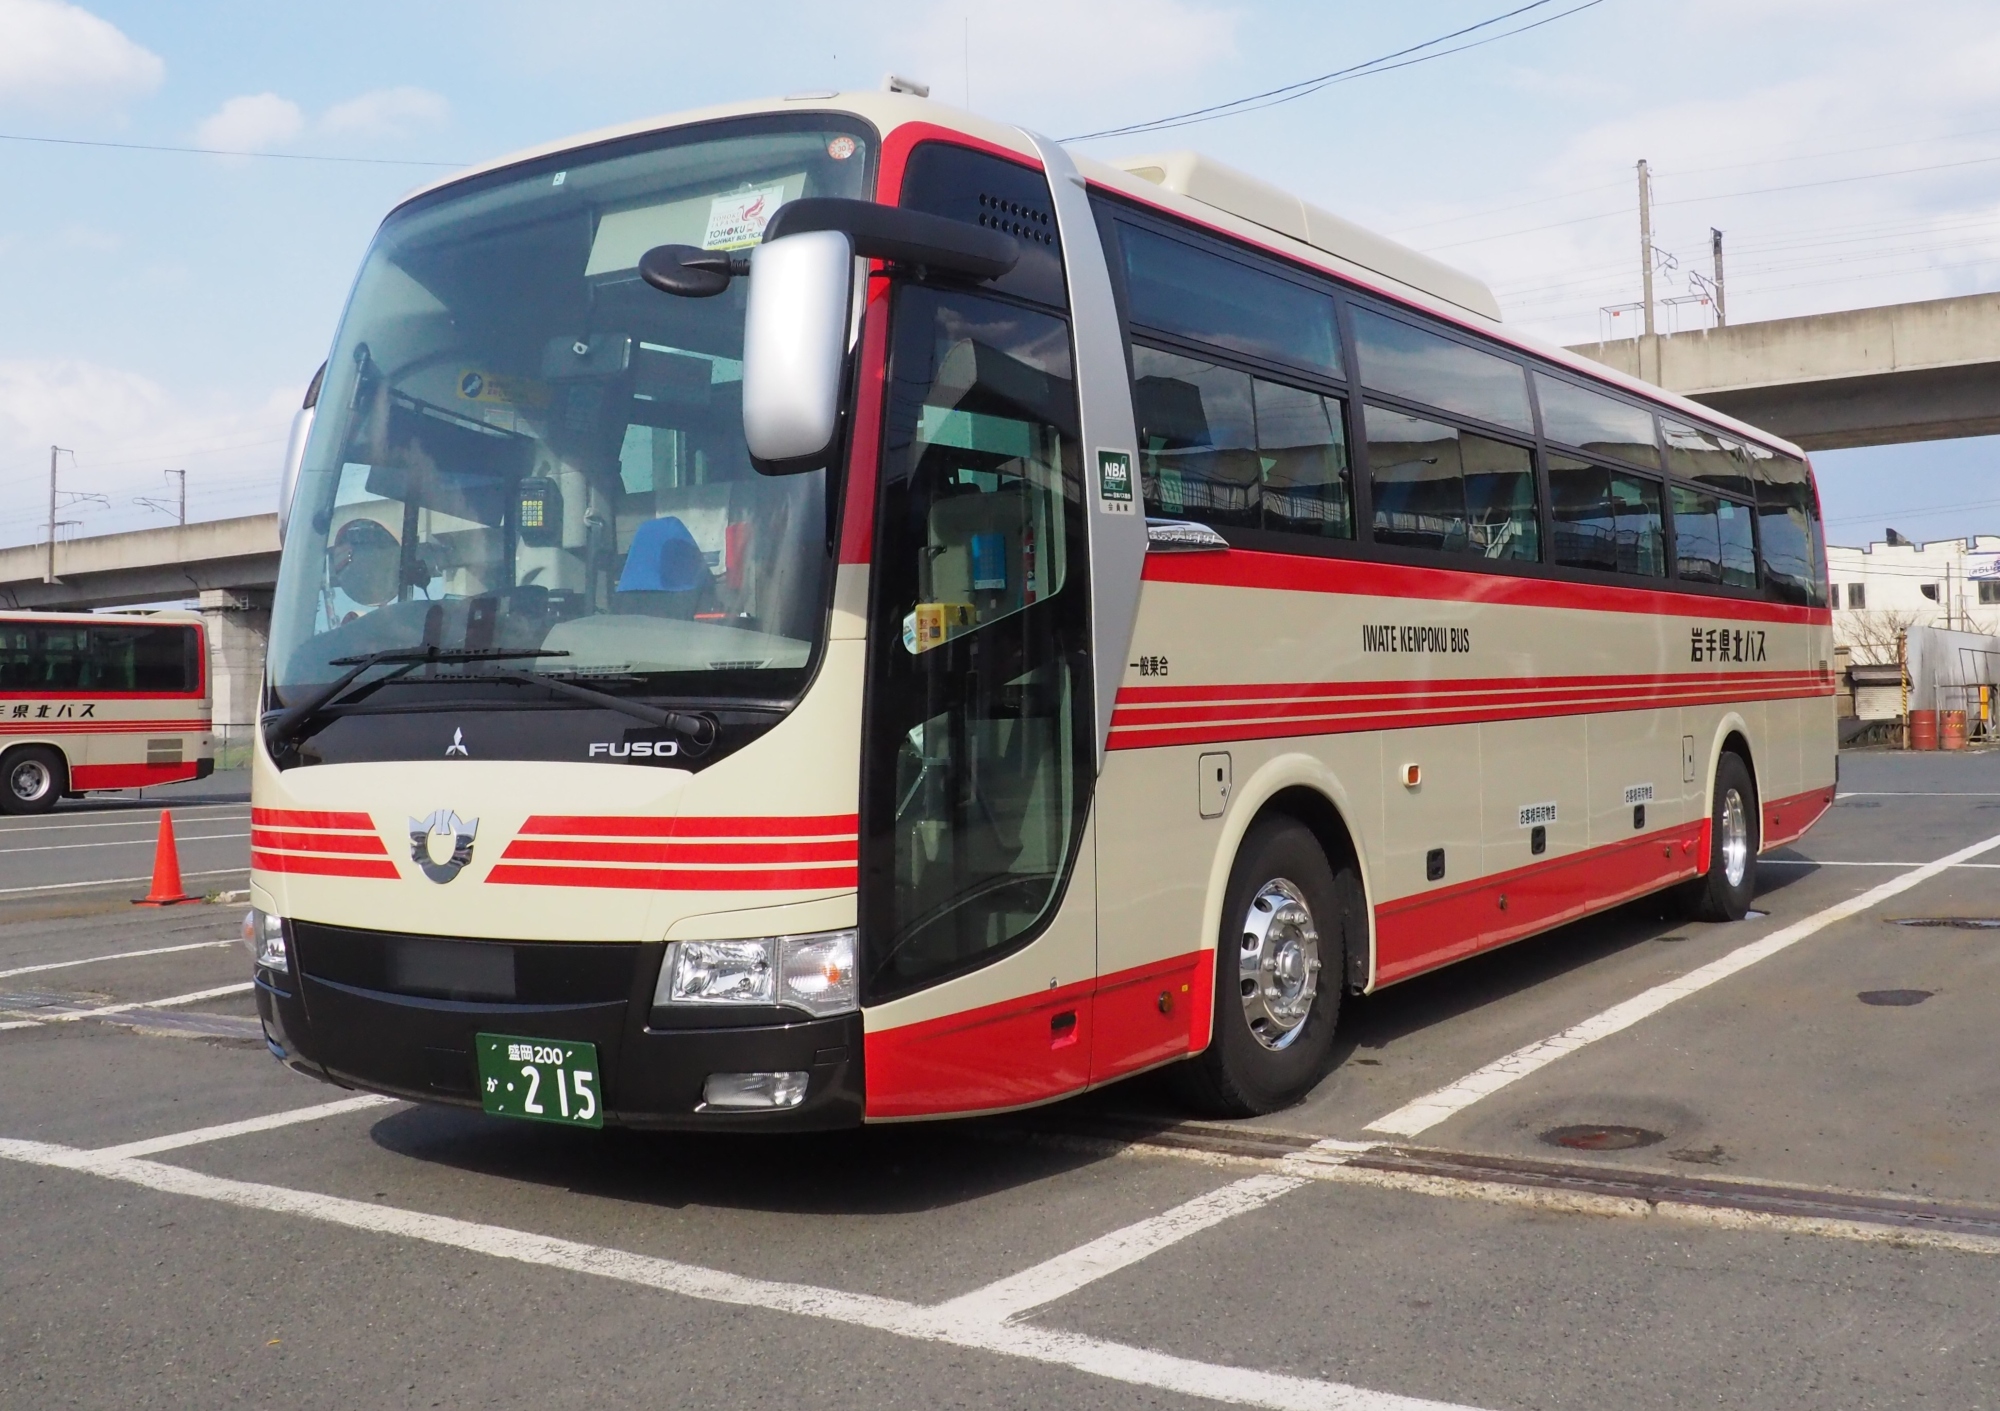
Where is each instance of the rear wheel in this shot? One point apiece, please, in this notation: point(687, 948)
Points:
point(1279, 967)
point(1733, 836)
point(32, 778)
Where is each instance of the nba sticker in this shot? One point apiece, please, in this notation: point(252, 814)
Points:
point(1114, 482)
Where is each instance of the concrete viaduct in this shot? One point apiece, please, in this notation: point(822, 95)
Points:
point(1865, 377)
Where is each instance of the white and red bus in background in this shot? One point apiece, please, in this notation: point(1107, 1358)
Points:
point(838, 610)
point(94, 701)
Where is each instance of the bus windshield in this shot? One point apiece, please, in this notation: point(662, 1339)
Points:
point(521, 447)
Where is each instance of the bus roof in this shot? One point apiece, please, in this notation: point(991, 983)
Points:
point(1200, 189)
point(129, 615)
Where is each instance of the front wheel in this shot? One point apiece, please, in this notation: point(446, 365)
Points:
point(31, 780)
point(1733, 836)
point(1279, 966)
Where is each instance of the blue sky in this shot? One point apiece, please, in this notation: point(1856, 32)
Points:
point(165, 310)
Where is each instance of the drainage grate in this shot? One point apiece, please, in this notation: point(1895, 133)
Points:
point(1598, 1137)
point(1956, 923)
point(1895, 998)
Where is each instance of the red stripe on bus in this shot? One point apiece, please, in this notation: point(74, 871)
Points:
point(85, 777)
point(1293, 690)
point(995, 1056)
point(1137, 709)
point(1133, 737)
point(1307, 573)
point(752, 854)
point(363, 843)
point(661, 879)
point(93, 726)
point(748, 826)
point(310, 818)
point(1786, 819)
point(324, 866)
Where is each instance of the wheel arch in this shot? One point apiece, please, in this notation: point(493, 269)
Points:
point(1300, 787)
point(14, 747)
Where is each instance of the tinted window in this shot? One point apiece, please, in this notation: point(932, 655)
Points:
point(79, 657)
point(1591, 421)
point(1700, 454)
point(1197, 294)
point(1236, 451)
point(1786, 531)
point(1609, 520)
point(952, 181)
point(1713, 540)
point(1440, 488)
point(1412, 362)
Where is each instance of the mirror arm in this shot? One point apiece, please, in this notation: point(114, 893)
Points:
point(927, 242)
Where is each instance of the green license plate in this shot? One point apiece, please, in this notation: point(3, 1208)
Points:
point(543, 1080)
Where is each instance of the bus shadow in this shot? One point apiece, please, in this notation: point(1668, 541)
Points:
point(901, 1169)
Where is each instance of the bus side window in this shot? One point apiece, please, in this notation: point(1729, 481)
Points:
point(1785, 527)
point(1235, 451)
point(1608, 520)
point(1451, 491)
point(1713, 538)
point(1594, 423)
point(1406, 361)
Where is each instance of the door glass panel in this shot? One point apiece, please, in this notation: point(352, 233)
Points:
point(979, 748)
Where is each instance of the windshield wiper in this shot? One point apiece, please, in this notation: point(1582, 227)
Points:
point(285, 727)
point(699, 727)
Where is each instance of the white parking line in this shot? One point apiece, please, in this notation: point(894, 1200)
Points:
point(136, 821)
point(200, 1136)
point(116, 881)
point(179, 838)
point(65, 1016)
point(1427, 1111)
point(1077, 1268)
point(1821, 862)
point(1134, 1366)
point(120, 955)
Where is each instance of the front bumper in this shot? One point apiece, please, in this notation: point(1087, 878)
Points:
point(356, 1010)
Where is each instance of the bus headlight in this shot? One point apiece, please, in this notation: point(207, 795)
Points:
point(814, 973)
point(264, 938)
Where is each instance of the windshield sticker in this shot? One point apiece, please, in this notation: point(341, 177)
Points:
point(738, 219)
point(841, 148)
point(477, 386)
point(1114, 482)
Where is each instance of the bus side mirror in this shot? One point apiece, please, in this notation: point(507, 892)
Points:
point(295, 453)
point(795, 348)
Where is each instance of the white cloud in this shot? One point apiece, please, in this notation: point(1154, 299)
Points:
point(386, 112)
point(60, 58)
point(256, 122)
point(124, 428)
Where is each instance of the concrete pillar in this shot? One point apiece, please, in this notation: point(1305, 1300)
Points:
point(239, 628)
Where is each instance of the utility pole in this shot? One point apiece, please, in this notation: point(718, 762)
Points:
point(1646, 243)
point(183, 512)
point(49, 573)
point(1721, 299)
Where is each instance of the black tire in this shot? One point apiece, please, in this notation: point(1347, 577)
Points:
point(32, 778)
point(1715, 897)
point(1241, 1074)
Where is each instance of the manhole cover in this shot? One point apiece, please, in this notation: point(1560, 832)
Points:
point(1956, 923)
point(1894, 997)
point(1598, 1137)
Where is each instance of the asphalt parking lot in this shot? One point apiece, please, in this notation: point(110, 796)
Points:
point(1639, 1162)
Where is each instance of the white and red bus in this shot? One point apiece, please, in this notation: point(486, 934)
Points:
point(839, 610)
point(94, 701)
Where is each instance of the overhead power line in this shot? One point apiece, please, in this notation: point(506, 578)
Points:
point(221, 152)
point(1384, 63)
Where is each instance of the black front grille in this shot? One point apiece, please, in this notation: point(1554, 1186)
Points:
point(447, 968)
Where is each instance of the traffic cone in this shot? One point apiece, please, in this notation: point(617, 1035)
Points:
point(166, 869)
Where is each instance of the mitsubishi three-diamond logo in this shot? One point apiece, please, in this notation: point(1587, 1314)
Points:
point(442, 824)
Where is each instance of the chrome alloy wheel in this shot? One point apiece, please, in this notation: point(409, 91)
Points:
point(30, 780)
point(1735, 839)
point(1278, 963)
